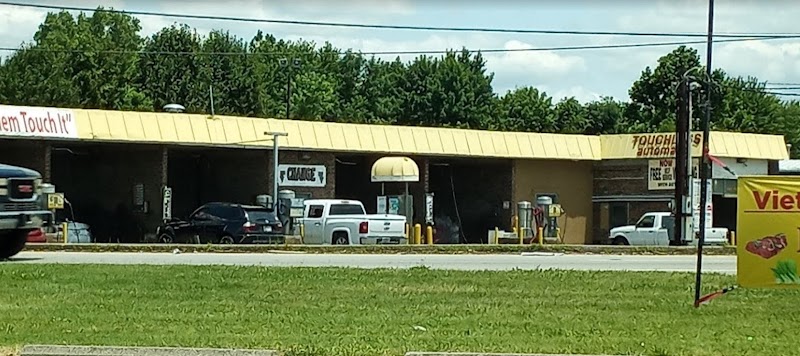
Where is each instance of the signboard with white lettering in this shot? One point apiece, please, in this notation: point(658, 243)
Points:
point(166, 209)
point(298, 175)
point(661, 173)
point(23, 121)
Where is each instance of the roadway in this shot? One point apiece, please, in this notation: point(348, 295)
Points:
point(525, 261)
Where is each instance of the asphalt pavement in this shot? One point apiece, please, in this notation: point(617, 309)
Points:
point(529, 261)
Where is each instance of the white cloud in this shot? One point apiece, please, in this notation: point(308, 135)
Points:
point(774, 60)
point(534, 64)
point(18, 24)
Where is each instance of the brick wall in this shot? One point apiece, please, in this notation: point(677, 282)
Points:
point(27, 153)
point(625, 180)
point(308, 158)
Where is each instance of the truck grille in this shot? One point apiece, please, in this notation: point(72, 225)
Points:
point(21, 189)
point(19, 206)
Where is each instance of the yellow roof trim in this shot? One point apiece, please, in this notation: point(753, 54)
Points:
point(204, 130)
point(247, 132)
point(721, 144)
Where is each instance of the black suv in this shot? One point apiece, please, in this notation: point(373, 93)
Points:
point(22, 208)
point(224, 223)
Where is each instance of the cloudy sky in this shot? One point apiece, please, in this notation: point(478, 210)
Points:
point(584, 74)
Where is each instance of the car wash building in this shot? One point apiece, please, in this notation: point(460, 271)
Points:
point(636, 174)
point(115, 167)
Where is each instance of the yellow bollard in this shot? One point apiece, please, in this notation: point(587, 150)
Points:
point(417, 234)
point(515, 222)
point(408, 234)
point(64, 229)
point(429, 235)
point(302, 233)
point(516, 229)
point(733, 238)
point(558, 234)
point(540, 233)
point(496, 235)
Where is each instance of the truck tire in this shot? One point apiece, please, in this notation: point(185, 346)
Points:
point(12, 242)
point(340, 238)
point(620, 241)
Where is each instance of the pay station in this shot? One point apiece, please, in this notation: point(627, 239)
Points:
point(395, 170)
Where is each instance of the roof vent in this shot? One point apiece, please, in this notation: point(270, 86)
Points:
point(176, 108)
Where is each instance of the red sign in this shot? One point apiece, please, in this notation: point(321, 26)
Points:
point(23, 121)
point(660, 145)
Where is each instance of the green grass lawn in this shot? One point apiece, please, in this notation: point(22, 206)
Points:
point(373, 312)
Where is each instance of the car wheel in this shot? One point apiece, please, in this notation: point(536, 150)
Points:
point(12, 243)
point(340, 239)
point(226, 240)
point(165, 239)
point(620, 241)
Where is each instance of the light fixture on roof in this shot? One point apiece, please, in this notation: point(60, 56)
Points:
point(176, 108)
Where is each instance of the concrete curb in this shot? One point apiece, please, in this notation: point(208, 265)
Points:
point(383, 249)
point(52, 350)
point(484, 354)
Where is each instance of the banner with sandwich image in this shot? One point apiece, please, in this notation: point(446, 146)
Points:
point(768, 231)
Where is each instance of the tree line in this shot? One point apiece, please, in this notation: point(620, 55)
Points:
point(101, 61)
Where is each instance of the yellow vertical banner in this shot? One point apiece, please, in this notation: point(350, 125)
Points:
point(768, 231)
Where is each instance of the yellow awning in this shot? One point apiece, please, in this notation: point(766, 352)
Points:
point(395, 169)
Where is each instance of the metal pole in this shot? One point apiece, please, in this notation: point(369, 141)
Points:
point(211, 95)
point(275, 172)
point(288, 93)
point(704, 171)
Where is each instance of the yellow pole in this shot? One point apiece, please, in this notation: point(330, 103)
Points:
point(497, 235)
point(408, 234)
point(429, 235)
point(302, 233)
point(733, 238)
point(64, 229)
point(417, 234)
point(516, 228)
point(540, 232)
point(558, 234)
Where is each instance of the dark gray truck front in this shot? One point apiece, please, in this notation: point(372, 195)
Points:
point(22, 208)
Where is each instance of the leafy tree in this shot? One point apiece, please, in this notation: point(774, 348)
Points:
point(605, 116)
point(570, 116)
point(91, 62)
point(170, 72)
point(314, 97)
point(232, 76)
point(83, 61)
point(654, 94)
point(527, 110)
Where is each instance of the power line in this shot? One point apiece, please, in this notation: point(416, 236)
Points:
point(782, 88)
point(409, 52)
point(395, 27)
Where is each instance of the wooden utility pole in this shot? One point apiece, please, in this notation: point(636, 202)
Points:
point(681, 161)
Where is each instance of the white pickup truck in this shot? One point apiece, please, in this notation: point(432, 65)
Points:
point(657, 229)
point(346, 222)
